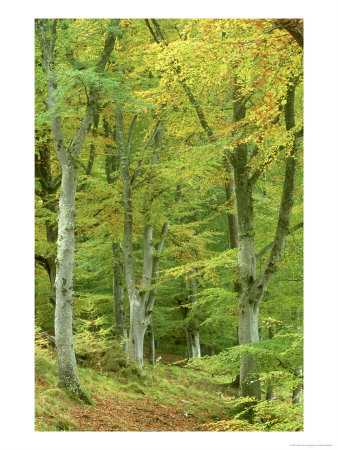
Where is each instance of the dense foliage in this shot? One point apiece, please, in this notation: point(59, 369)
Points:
point(194, 123)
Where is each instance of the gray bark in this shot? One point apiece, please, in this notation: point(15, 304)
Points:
point(269, 387)
point(118, 264)
point(137, 308)
point(231, 204)
point(298, 390)
point(141, 295)
point(119, 311)
point(68, 158)
point(152, 351)
point(49, 186)
point(49, 264)
point(68, 376)
point(251, 287)
point(192, 329)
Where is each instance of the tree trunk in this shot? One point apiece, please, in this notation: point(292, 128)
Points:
point(138, 326)
point(48, 188)
point(152, 351)
point(192, 330)
point(141, 296)
point(193, 340)
point(251, 287)
point(297, 392)
point(230, 195)
point(248, 305)
point(119, 311)
point(52, 275)
point(52, 233)
point(248, 333)
point(68, 157)
point(68, 376)
point(269, 387)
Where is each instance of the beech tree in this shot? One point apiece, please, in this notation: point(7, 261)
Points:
point(255, 120)
point(142, 294)
point(68, 157)
point(196, 186)
point(111, 167)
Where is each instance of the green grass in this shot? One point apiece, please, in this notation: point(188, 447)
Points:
point(185, 389)
point(109, 377)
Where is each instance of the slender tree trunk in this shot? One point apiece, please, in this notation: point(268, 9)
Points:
point(119, 311)
point(192, 330)
point(52, 275)
point(193, 340)
point(152, 351)
point(52, 233)
point(49, 186)
point(298, 390)
point(68, 376)
point(269, 387)
point(230, 195)
point(118, 257)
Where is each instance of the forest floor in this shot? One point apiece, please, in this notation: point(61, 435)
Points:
point(165, 398)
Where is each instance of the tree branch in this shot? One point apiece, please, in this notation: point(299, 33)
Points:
point(140, 161)
point(151, 31)
point(282, 229)
point(294, 27)
point(43, 261)
point(130, 135)
point(93, 97)
point(269, 246)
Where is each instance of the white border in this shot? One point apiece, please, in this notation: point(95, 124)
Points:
point(320, 224)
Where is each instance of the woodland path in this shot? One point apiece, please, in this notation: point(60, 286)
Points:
point(116, 414)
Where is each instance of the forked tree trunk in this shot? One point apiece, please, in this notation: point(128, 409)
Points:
point(68, 158)
point(141, 294)
point(252, 287)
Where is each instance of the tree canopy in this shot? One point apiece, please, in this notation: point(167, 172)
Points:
point(169, 159)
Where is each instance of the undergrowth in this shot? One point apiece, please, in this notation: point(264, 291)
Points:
point(105, 374)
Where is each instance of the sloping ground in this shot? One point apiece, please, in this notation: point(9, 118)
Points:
point(166, 398)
